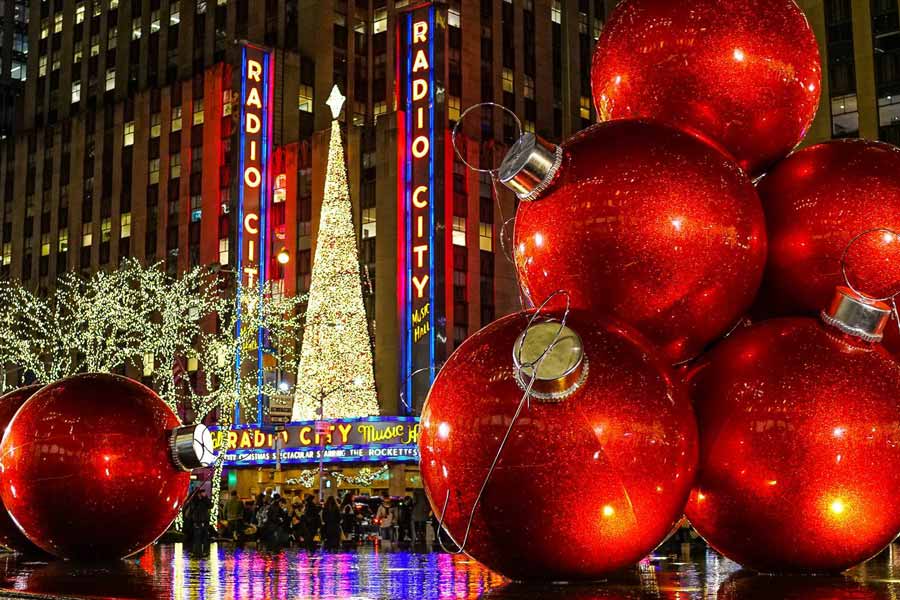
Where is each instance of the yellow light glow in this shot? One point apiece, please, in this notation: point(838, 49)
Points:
point(283, 257)
point(608, 511)
point(837, 507)
point(739, 55)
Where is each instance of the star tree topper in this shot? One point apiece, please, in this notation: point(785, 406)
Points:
point(336, 101)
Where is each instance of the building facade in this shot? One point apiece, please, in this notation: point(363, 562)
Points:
point(14, 16)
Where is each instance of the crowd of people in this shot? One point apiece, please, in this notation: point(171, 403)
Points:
point(274, 521)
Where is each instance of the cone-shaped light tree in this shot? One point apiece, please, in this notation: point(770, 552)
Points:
point(335, 376)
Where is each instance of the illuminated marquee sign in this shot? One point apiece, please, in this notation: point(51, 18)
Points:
point(254, 187)
point(374, 439)
point(417, 282)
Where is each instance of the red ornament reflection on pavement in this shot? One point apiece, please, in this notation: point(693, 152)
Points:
point(584, 486)
point(10, 535)
point(746, 74)
point(651, 226)
point(87, 470)
point(800, 460)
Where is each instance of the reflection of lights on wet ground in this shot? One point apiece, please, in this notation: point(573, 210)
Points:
point(245, 574)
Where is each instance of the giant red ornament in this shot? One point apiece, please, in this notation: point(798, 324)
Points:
point(642, 222)
point(596, 471)
point(89, 466)
point(745, 74)
point(10, 535)
point(800, 442)
point(816, 202)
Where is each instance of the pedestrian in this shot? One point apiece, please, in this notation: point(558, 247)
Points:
point(420, 516)
point(234, 515)
point(348, 517)
point(199, 516)
point(331, 524)
point(298, 532)
point(405, 516)
point(385, 518)
point(312, 521)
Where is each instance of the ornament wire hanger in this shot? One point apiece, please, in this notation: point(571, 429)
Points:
point(892, 298)
point(524, 368)
point(494, 173)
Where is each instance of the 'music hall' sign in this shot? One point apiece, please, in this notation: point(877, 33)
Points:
point(371, 439)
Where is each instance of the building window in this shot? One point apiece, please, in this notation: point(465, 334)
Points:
point(136, 28)
point(45, 28)
point(305, 98)
point(368, 223)
point(154, 21)
point(155, 125)
point(585, 107)
point(45, 244)
point(844, 116)
point(76, 92)
point(226, 103)
point(889, 110)
point(110, 80)
point(486, 237)
point(201, 7)
point(125, 226)
point(77, 55)
point(176, 118)
point(459, 231)
point(175, 165)
point(154, 171)
point(223, 251)
point(79, 13)
point(7, 253)
point(529, 87)
point(453, 17)
point(379, 23)
point(556, 12)
point(57, 22)
point(129, 134)
point(112, 38)
point(508, 81)
point(95, 46)
point(196, 208)
point(105, 229)
point(380, 109)
point(198, 112)
point(87, 235)
point(18, 71)
point(42, 64)
point(63, 245)
point(453, 105)
point(174, 13)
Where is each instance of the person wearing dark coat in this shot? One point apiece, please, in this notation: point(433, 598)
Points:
point(348, 517)
point(199, 512)
point(331, 528)
point(312, 521)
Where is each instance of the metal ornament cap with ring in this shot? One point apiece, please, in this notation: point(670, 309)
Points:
point(549, 356)
point(855, 313)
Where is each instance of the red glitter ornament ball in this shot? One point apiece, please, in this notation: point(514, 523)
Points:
point(745, 74)
point(645, 223)
point(88, 471)
point(596, 470)
point(10, 535)
point(799, 447)
point(816, 202)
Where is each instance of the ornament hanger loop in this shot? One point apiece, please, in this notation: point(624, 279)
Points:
point(525, 401)
point(432, 369)
point(492, 172)
point(846, 277)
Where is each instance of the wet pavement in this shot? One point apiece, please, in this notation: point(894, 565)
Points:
point(167, 571)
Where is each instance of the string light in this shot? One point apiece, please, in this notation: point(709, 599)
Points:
point(335, 370)
point(365, 477)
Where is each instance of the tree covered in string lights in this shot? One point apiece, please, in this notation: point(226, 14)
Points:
point(335, 373)
point(127, 317)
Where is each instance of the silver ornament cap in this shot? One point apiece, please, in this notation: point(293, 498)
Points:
point(563, 368)
point(856, 315)
point(530, 166)
point(191, 447)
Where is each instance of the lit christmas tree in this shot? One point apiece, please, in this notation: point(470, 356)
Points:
point(335, 373)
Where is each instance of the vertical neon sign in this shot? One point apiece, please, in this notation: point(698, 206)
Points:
point(418, 278)
point(254, 191)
